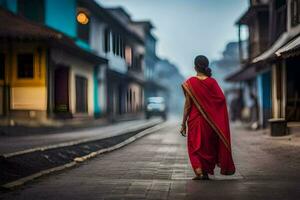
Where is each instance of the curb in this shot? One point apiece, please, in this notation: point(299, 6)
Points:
point(75, 142)
point(14, 184)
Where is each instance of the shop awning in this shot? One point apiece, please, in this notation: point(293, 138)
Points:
point(247, 72)
point(244, 73)
point(251, 69)
point(289, 47)
point(284, 46)
point(272, 50)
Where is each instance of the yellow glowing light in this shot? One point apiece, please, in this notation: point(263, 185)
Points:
point(82, 18)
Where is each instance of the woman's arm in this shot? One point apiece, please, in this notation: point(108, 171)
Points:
point(187, 108)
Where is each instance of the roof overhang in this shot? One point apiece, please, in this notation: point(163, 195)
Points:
point(287, 44)
point(109, 18)
point(242, 74)
point(250, 13)
point(17, 28)
point(270, 53)
point(147, 24)
point(282, 48)
point(248, 72)
point(290, 49)
point(77, 51)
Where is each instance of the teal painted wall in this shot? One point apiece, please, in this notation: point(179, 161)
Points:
point(33, 10)
point(10, 5)
point(97, 109)
point(267, 90)
point(83, 44)
point(259, 90)
point(61, 15)
point(264, 96)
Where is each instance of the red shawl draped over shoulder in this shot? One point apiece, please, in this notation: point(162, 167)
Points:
point(209, 99)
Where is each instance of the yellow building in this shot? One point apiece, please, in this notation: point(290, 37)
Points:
point(43, 72)
point(24, 79)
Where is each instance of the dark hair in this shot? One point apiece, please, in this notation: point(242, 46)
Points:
point(201, 65)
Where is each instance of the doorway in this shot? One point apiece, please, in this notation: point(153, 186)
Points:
point(2, 75)
point(293, 89)
point(81, 94)
point(61, 91)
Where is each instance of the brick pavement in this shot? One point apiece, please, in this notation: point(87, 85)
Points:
point(157, 167)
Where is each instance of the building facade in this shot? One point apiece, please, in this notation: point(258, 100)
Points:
point(271, 67)
point(98, 65)
point(151, 87)
point(120, 83)
point(50, 75)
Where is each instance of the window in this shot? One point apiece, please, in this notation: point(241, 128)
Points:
point(115, 43)
point(2, 65)
point(122, 48)
point(26, 8)
point(128, 56)
point(107, 40)
point(280, 3)
point(118, 47)
point(25, 66)
point(295, 12)
point(118, 44)
point(83, 25)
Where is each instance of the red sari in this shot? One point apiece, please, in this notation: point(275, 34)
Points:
point(208, 126)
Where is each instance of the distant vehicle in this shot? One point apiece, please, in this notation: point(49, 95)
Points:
point(156, 106)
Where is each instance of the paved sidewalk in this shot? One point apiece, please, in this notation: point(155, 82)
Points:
point(157, 167)
point(10, 144)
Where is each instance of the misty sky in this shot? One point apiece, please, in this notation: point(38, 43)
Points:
point(186, 28)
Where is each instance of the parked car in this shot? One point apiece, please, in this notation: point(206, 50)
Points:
point(156, 106)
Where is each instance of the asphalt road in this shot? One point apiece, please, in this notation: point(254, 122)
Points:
point(11, 144)
point(157, 167)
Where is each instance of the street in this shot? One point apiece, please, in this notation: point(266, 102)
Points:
point(9, 144)
point(91, 91)
point(157, 167)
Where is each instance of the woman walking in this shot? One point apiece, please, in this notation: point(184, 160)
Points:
point(206, 118)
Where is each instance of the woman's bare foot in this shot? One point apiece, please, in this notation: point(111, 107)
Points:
point(200, 175)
